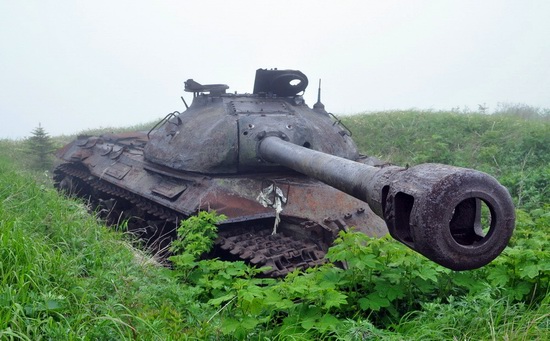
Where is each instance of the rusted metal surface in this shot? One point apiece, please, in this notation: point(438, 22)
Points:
point(281, 83)
point(281, 251)
point(432, 208)
point(287, 177)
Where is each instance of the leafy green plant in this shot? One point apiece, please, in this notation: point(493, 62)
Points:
point(196, 234)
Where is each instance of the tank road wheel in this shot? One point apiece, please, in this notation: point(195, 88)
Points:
point(68, 185)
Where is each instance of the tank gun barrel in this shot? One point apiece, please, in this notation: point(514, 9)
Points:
point(457, 217)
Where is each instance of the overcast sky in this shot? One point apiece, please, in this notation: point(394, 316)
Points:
point(73, 65)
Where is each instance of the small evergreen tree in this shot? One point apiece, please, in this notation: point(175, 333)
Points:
point(41, 147)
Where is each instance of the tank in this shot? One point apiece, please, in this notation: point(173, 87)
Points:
point(287, 177)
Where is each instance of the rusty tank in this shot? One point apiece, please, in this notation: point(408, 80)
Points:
point(287, 177)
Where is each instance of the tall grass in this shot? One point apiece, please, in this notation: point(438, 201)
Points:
point(514, 150)
point(64, 276)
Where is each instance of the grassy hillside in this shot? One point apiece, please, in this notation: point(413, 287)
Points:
point(63, 276)
point(514, 150)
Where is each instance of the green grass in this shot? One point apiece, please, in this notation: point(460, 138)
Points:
point(514, 150)
point(64, 276)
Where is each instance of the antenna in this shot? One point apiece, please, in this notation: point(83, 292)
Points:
point(319, 92)
point(184, 102)
point(319, 107)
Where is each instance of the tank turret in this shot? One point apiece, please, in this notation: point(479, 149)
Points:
point(287, 177)
point(218, 133)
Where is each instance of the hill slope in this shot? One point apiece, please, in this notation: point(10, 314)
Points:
point(514, 150)
point(63, 276)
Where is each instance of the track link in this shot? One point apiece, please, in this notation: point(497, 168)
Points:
point(279, 251)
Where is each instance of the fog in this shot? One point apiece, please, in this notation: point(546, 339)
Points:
point(74, 65)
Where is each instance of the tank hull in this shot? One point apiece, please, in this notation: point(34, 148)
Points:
point(111, 172)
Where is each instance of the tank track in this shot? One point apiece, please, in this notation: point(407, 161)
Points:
point(279, 251)
point(255, 245)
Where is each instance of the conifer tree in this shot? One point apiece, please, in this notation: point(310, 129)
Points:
point(41, 147)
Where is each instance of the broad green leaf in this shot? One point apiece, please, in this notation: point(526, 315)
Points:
point(334, 299)
point(499, 276)
point(427, 273)
point(229, 326)
point(370, 261)
point(249, 322)
point(311, 312)
point(391, 292)
point(222, 299)
point(530, 271)
point(309, 323)
point(374, 302)
point(521, 290)
point(327, 322)
point(251, 292)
